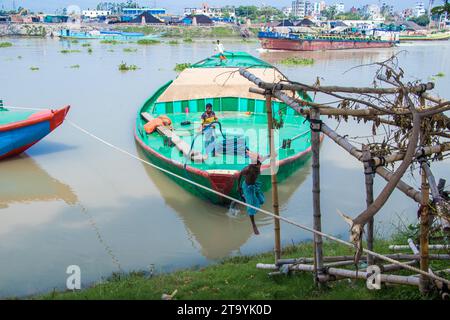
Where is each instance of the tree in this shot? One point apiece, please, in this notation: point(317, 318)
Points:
point(423, 20)
point(348, 16)
point(440, 10)
point(330, 13)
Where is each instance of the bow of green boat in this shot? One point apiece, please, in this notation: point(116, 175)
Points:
point(241, 126)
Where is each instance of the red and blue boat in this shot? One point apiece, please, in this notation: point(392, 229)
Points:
point(19, 130)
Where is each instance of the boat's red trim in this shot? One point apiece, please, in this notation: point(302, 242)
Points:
point(220, 182)
point(56, 117)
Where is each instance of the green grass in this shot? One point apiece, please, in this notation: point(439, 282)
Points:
point(181, 66)
point(294, 61)
point(5, 44)
point(147, 42)
point(129, 49)
point(125, 67)
point(65, 51)
point(34, 68)
point(238, 278)
point(173, 42)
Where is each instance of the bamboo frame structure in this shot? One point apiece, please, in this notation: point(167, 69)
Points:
point(419, 122)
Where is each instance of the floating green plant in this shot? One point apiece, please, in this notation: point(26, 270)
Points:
point(173, 42)
point(75, 66)
point(74, 41)
point(110, 42)
point(129, 49)
point(297, 61)
point(5, 44)
point(127, 67)
point(86, 45)
point(34, 68)
point(188, 40)
point(19, 57)
point(147, 42)
point(181, 66)
point(439, 75)
point(90, 50)
point(69, 51)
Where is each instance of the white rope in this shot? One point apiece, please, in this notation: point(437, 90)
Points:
point(380, 256)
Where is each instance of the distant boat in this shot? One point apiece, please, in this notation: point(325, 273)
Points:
point(242, 126)
point(319, 42)
point(441, 36)
point(104, 35)
point(19, 130)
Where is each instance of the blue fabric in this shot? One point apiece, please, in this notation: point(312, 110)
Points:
point(14, 139)
point(210, 139)
point(253, 196)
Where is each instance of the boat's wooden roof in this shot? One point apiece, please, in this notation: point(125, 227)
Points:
point(200, 83)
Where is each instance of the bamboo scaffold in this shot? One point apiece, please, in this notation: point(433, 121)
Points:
point(416, 133)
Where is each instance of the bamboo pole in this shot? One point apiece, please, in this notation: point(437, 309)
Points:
point(424, 232)
point(368, 174)
point(329, 89)
point(396, 247)
point(315, 146)
point(409, 280)
point(273, 176)
point(441, 205)
point(384, 173)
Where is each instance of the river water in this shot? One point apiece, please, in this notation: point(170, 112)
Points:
point(72, 201)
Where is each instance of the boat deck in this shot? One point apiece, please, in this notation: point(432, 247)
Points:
point(252, 126)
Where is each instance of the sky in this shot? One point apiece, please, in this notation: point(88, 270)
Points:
point(176, 6)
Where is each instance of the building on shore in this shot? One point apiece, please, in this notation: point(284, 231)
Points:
point(419, 9)
point(95, 14)
point(138, 11)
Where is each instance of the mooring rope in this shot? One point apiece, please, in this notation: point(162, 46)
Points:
point(268, 213)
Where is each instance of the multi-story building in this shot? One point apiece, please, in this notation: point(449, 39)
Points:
point(419, 9)
point(371, 11)
point(299, 8)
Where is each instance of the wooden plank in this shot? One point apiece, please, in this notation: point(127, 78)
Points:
point(177, 141)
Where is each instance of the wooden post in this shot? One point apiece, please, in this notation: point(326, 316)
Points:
point(273, 175)
point(315, 146)
point(369, 173)
point(424, 232)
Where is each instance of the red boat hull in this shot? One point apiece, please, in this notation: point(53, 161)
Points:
point(319, 45)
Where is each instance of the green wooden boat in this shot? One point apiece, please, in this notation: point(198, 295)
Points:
point(242, 126)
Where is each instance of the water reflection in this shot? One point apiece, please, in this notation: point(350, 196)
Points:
point(22, 180)
point(218, 232)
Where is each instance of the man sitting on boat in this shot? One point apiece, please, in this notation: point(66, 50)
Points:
point(250, 188)
point(208, 118)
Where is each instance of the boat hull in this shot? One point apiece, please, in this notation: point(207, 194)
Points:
point(225, 182)
point(320, 45)
point(17, 137)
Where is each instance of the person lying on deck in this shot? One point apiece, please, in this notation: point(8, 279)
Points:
point(250, 188)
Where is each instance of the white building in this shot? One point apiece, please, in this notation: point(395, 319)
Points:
point(299, 8)
point(212, 12)
point(95, 13)
point(340, 7)
point(419, 9)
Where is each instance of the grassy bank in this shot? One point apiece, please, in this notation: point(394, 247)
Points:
point(186, 32)
point(238, 278)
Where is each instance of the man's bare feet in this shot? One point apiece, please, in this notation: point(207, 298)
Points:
point(255, 230)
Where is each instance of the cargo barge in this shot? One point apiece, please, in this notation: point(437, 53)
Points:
point(303, 42)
